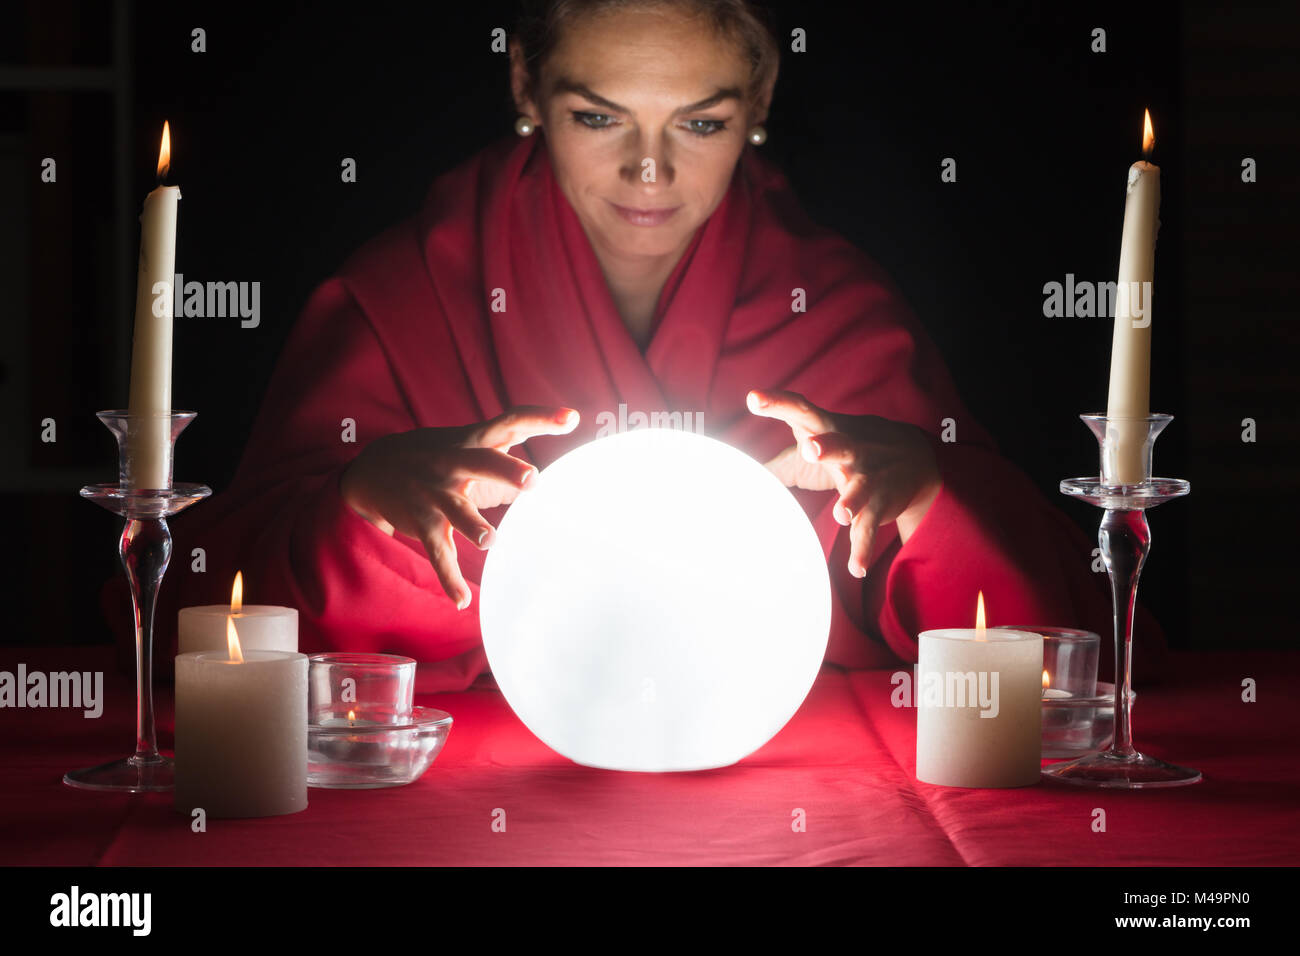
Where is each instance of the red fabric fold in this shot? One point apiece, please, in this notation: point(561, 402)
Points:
point(406, 336)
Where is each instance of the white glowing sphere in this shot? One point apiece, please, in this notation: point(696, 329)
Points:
point(658, 600)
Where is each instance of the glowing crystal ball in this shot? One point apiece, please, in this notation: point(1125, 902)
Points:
point(657, 600)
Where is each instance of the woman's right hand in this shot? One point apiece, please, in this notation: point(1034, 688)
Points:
point(427, 481)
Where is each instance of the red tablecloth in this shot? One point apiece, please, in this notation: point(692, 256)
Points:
point(846, 760)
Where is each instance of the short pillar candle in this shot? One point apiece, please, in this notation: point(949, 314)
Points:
point(979, 707)
point(241, 733)
point(262, 627)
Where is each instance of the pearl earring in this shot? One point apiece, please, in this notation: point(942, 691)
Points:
point(524, 126)
point(757, 135)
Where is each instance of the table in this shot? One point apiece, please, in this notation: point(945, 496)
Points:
point(843, 767)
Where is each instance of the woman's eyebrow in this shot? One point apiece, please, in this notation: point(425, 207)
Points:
point(730, 93)
point(566, 85)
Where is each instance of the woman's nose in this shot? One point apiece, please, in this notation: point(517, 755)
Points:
point(648, 164)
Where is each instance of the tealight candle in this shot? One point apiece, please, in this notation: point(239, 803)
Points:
point(351, 720)
point(361, 749)
point(241, 732)
point(979, 706)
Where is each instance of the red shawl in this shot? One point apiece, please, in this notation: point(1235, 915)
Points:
point(405, 337)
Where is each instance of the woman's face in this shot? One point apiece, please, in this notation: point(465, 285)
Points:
point(645, 116)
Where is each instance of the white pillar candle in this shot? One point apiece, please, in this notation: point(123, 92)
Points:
point(979, 707)
point(149, 444)
point(241, 733)
point(262, 627)
point(1130, 356)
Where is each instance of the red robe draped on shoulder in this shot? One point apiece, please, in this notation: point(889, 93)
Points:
point(405, 336)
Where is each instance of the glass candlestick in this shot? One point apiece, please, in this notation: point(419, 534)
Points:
point(145, 548)
point(1125, 489)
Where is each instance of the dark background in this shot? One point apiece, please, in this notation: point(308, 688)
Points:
point(1043, 131)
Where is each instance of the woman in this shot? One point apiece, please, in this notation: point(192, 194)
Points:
point(629, 246)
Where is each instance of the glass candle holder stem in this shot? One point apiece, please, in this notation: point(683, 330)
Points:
point(1125, 539)
point(145, 547)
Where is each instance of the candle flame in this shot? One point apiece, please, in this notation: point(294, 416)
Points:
point(1148, 135)
point(165, 152)
point(979, 618)
point(352, 715)
point(237, 593)
point(232, 641)
point(1047, 680)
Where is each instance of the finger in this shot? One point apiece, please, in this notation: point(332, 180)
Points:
point(441, 549)
point(861, 534)
point(491, 464)
point(854, 496)
point(791, 407)
point(831, 448)
point(465, 518)
point(514, 426)
point(491, 494)
point(835, 454)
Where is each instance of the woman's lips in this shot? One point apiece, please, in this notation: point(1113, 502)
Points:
point(645, 217)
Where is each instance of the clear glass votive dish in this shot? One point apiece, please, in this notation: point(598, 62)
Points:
point(350, 753)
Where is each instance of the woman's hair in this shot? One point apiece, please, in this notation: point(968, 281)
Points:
point(541, 24)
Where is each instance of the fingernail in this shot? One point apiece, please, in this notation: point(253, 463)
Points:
point(846, 516)
point(528, 479)
point(486, 539)
point(858, 571)
point(462, 602)
point(816, 447)
point(565, 417)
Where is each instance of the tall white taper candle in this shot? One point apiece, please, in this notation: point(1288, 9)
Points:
point(149, 444)
point(1130, 356)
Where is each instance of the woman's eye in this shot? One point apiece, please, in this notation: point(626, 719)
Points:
point(701, 127)
point(706, 127)
point(593, 120)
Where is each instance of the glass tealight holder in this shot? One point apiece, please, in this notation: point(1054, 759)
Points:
point(1069, 660)
point(363, 730)
point(1076, 711)
point(372, 688)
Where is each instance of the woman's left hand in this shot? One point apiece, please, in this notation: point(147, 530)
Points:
point(884, 470)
